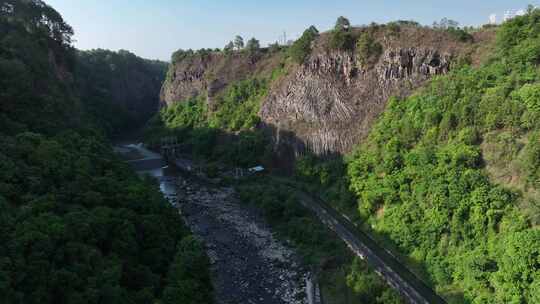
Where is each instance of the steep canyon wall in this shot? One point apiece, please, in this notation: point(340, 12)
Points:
point(327, 104)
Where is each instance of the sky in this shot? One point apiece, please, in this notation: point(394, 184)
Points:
point(154, 29)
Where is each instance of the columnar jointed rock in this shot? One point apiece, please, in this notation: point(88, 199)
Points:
point(404, 63)
point(330, 102)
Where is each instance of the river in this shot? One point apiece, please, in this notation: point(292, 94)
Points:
point(249, 265)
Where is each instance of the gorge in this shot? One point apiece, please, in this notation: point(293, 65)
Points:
point(382, 163)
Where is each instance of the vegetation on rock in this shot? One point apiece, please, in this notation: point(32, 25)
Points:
point(367, 49)
point(235, 111)
point(342, 38)
point(301, 48)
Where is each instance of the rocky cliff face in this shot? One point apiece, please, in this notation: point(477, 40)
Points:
point(328, 104)
point(207, 74)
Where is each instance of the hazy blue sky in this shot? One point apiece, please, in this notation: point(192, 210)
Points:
point(156, 28)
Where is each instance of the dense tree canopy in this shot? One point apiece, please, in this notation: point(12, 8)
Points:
point(428, 179)
point(79, 225)
point(76, 224)
point(37, 16)
point(118, 90)
point(31, 93)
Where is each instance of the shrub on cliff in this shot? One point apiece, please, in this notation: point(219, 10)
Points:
point(301, 48)
point(236, 110)
point(460, 34)
point(253, 45)
point(341, 40)
point(368, 49)
point(239, 105)
point(191, 113)
point(274, 48)
point(228, 48)
point(342, 24)
point(181, 55)
point(239, 42)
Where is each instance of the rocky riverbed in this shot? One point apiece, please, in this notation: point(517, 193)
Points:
point(248, 263)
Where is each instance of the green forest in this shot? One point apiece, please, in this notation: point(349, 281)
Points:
point(433, 176)
point(448, 177)
point(77, 224)
point(115, 88)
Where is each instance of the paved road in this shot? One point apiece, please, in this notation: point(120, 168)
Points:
point(395, 273)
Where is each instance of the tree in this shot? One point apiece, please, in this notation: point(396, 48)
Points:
point(341, 40)
point(367, 49)
point(301, 48)
point(239, 42)
point(189, 279)
point(445, 24)
point(340, 37)
point(342, 23)
point(274, 47)
point(228, 47)
point(253, 45)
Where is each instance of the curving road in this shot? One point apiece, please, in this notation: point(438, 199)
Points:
point(388, 267)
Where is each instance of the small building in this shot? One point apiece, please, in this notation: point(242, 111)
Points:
point(257, 169)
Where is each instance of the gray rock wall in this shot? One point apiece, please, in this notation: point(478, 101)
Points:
point(329, 104)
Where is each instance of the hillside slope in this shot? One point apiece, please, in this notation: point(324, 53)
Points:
point(445, 171)
point(329, 101)
point(118, 89)
point(451, 174)
point(76, 224)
